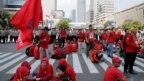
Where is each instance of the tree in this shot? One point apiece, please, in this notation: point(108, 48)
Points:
point(62, 23)
point(136, 24)
point(4, 19)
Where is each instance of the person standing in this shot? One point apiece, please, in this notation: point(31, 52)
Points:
point(111, 42)
point(81, 40)
point(90, 38)
point(44, 41)
point(112, 73)
point(130, 51)
point(63, 36)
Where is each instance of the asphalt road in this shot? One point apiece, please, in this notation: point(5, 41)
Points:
point(10, 59)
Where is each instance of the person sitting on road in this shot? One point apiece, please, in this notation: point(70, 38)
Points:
point(61, 74)
point(94, 55)
point(67, 47)
point(45, 72)
point(69, 69)
point(58, 54)
point(74, 46)
point(112, 73)
point(22, 73)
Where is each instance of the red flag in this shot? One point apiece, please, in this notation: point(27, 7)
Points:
point(26, 19)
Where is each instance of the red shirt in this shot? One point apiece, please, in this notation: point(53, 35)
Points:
point(91, 36)
point(92, 55)
point(104, 35)
point(111, 37)
point(113, 74)
point(74, 47)
point(98, 47)
point(47, 73)
point(62, 33)
point(118, 34)
point(81, 36)
point(68, 48)
point(57, 52)
point(71, 73)
point(44, 40)
point(130, 44)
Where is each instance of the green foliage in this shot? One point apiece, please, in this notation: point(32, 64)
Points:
point(4, 19)
point(63, 23)
point(135, 24)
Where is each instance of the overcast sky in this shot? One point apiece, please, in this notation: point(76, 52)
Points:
point(68, 5)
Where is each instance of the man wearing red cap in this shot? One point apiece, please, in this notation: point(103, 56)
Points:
point(45, 72)
point(69, 69)
point(112, 73)
point(22, 73)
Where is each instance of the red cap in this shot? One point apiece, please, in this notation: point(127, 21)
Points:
point(116, 60)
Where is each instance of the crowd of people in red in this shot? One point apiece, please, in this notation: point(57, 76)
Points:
point(94, 43)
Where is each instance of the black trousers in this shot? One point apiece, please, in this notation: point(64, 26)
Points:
point(89, 46)
point(62, 41)
point(129, 59)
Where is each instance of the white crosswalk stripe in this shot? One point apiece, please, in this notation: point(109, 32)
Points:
point(76, 60)
point(1, 52)
point(3, 67)
point(35, 65)
point(76, 64)
point(10, 57)
point(90, 65)
point(13, 70)
point(4, 55)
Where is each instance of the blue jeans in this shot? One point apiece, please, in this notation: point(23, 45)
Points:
point(110, 49)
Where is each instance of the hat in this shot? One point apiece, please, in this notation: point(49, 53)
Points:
point(116, 60)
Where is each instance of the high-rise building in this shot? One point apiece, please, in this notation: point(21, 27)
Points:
point(81, 10)
point(49, 6)
point(102, 10)
point(90, 12)
point(73, 15)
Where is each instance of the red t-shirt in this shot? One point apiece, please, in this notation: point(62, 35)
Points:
point(113, 74)
point(57, 52)
point(104, 36)
point(44, 40)
point(111, 37)
point(92, 55)
point(62, 33)
point(81, 36)
point(98, 47)
point(91, 36)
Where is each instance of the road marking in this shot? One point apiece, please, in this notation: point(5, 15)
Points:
point(10, 57)
point(103, 65)
point(90, 65)
point(3, 67)
point(134, 67)
point(76, 63)
point(6, 54)
point(52, 61)
point(109, 60)
point(35, 65)
point(1, 52)
point(13, 70)
point(140, 59)
point(139, 63)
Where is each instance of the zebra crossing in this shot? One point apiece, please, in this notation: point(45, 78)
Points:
point(7, 60)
